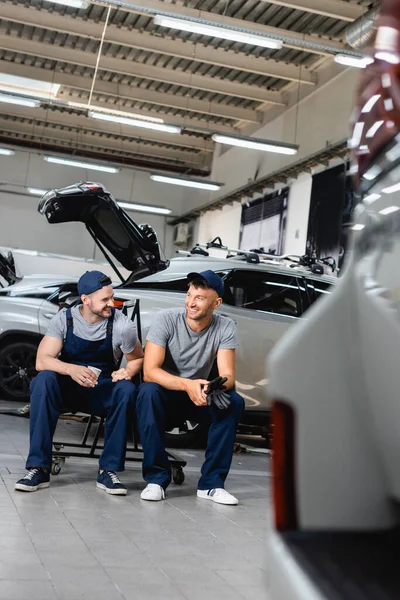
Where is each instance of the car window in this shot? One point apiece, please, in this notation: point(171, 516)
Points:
point(316, 289)
point(174, 285)
point(267, 292)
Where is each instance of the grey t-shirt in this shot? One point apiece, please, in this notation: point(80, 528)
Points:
point(189, 353)
point(124, 336)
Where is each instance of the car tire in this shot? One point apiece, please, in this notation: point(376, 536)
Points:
point(17, 369)
point(188, 435)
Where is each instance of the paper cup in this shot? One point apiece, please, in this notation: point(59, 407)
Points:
point(95, 370)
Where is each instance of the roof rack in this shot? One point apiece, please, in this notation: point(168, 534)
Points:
point(257, 255)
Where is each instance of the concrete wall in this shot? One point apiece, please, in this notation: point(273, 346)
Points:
point(21, 226)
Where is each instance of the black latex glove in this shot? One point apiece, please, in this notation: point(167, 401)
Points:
point(221, 399)
point(216, 384)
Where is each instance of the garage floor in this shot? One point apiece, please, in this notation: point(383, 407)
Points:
point(73, 541)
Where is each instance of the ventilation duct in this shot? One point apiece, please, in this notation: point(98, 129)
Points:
point(361, 32)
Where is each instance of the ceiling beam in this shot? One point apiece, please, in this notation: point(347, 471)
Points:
point(297, 40)
point(95, 142)
point(43, 117)
point(151, 73)
point(132, 38)
point(336, 9)
point(113, 90)
point(124, 67)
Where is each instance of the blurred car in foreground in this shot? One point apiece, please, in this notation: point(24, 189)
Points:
point(335, 380)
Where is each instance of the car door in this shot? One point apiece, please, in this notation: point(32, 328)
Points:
point(263, 305)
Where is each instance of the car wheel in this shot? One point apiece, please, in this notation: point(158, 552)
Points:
point(17, 369)
point(188, 435)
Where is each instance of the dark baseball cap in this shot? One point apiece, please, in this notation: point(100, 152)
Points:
point(212, 279)
point(91, 281)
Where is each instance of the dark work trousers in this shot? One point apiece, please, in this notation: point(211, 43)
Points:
point(158, 408)
point(52, 394)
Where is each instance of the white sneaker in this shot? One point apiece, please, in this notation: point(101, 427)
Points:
point(218, 495)
point(153, 492)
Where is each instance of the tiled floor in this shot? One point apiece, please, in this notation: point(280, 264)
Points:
point(73, 541)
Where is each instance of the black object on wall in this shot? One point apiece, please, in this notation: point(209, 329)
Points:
point(328, 195)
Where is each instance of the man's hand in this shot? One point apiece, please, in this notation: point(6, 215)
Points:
point(82, 375)
point(195, 390)
point(120, 375)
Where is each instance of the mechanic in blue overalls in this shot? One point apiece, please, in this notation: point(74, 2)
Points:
point(77, 361)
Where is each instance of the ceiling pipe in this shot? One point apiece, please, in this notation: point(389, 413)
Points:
point(361, 32)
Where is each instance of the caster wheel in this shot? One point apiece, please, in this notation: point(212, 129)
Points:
point(178, 476)
point(57, 466)
point(55, 469)
point(58, 447)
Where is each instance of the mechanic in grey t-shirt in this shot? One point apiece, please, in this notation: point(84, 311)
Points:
point(77, 360)
point(182, 346)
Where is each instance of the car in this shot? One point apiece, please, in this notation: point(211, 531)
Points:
point(336, 417)
point(263, 297)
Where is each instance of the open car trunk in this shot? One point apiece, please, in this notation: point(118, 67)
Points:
point(133, 246)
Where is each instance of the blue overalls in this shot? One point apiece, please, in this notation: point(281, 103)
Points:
point(52, 394)
point(159, 409)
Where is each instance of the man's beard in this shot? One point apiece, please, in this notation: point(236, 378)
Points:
point(197, 316)
point(101, 314)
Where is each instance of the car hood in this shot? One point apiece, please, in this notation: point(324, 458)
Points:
point(134, 246)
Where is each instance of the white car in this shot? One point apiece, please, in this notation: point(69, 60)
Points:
point(263, 298)
point(335, 380)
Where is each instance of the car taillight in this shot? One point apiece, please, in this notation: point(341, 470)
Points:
point(283, 466)
point(118, 303)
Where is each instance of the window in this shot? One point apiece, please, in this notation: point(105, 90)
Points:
point(267, 292)
point(173, 285)
point(316, 289)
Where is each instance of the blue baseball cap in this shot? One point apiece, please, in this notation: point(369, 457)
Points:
point(91, 281)
point(212, 279)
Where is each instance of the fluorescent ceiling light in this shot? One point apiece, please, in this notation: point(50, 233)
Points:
point(218, 32)
point(8, 99)
point(25, 85)
point(193, 183)
point(392, 189)
point(353, 61)
point(82, 165)
point(389, 210)
point(134, 122)
point(73, 3)
point(110, 111)
point(37, 191)
point(358, 227)
point(7, 152)
point(157, 210)
point(255, 144)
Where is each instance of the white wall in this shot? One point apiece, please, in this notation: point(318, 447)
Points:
point(297, 215)
point(320, 119)
point(21, 226)
point(224, 223)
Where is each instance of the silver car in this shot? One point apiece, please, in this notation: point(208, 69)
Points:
point(262, 297)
